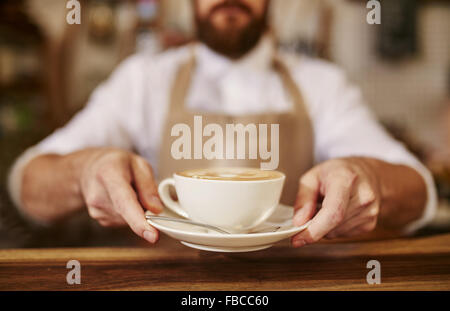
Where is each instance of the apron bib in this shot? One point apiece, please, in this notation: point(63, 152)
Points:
point(295, 132)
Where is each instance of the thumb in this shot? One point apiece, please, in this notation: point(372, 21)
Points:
point(305, 205)
point(145, 185)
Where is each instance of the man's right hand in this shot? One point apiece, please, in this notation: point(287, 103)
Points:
point(116, 184)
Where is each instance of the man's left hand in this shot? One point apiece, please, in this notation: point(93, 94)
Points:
point(351, 201)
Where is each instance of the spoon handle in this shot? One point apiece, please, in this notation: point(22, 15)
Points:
point(186, 221)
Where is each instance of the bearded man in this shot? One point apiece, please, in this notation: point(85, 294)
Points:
point(106, 161)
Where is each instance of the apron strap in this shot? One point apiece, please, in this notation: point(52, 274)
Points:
point(180, 86)
point(290, 85)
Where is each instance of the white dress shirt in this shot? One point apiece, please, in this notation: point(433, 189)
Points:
point(129, 109)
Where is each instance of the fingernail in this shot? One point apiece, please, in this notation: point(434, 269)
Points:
point(155, 202)
point(150, 236)
point(298, 243)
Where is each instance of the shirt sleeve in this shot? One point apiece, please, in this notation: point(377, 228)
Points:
point(345, 127)
point(99, 124)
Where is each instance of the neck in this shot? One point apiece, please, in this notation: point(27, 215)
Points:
point(258, 58)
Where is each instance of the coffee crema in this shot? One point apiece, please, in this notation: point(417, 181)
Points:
point(231, 173)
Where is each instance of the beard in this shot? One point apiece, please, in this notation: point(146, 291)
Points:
point(231, 41)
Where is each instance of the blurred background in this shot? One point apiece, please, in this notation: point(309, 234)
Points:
point(49, 68)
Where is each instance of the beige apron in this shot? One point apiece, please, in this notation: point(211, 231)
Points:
point(295, 131)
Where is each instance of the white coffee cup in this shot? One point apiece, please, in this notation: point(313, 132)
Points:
point(234, 205)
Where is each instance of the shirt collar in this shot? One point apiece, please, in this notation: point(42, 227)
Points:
point(215, 64)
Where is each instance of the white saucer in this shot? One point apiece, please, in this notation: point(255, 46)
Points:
point(199, 238)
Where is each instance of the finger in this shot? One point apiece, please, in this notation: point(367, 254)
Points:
point(305, 205)
point(347, 227)
point(145, 184)
point(125, 202)
point(366, 215)
point(363, 196)
point(112, 222)
point(98, 202)
point(106, 218)
point(337, 195)
point(95, 195)
point(362, 229)
point(96, 213)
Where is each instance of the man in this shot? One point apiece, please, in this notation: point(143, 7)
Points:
point(331, 148)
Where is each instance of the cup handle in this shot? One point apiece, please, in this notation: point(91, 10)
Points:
point(164, 194)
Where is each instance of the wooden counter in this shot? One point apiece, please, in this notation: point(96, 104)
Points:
point(406, 264)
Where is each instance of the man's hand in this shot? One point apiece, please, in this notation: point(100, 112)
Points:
point(351, 200)
point(115, 185)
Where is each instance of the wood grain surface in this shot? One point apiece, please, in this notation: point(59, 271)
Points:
point(406, 264)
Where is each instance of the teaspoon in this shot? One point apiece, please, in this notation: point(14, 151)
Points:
point(187, 221)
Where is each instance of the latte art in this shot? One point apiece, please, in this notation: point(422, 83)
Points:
point(238, 174)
